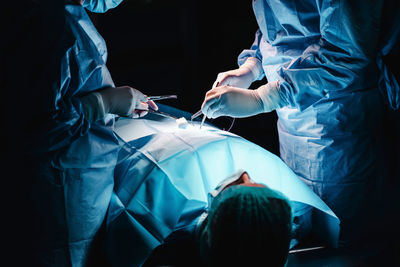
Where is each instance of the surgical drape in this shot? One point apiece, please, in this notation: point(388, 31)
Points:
point(161, 188)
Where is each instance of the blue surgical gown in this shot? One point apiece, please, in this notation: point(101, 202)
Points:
point(324, 55)
point(161, 188)
point(76, 158)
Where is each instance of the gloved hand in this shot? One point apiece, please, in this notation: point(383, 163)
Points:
point(123, 101)
point(242, 77)
point(237, 102)
point(126, 101)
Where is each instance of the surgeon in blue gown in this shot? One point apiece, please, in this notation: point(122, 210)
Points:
point(324, 68)
point(75, 149)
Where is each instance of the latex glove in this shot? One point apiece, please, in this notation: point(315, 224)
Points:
point(242, 77)
point(126, 101)
point(238, 102)
point(123, 101)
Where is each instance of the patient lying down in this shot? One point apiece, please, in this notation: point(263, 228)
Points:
point(247, 223)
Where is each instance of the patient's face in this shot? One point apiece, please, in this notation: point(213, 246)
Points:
point(244, 180)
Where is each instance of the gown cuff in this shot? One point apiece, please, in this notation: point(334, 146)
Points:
point(271, 96)
point(255, 66)
point(93, 106)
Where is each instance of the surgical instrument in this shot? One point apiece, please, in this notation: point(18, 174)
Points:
point(195, 115)
point(202, 121)
point(152, 111)
point(162, 97)
point(162, 114)
point(198, 113)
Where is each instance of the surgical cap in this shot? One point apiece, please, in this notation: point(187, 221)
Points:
point(247, 224)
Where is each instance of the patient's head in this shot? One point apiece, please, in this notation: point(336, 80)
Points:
point(248, 223)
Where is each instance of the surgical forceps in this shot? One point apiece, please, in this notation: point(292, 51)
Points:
point(163, 114)
point(155, 98)
point(198, 113)
point(162, 97)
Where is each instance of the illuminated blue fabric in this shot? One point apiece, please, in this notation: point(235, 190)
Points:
point(324, 55)
point(100, 6)
point(390, 48)
point(76, 178)
point(162, 187)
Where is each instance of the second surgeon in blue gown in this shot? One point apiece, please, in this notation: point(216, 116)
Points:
point(77, 150)
point(319, 58)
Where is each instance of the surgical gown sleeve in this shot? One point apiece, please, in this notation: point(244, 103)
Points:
point(254, 51)
point(60, 120)
point(82, 71)
point(340, 61)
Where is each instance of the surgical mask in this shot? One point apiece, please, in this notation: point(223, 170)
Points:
point(100, 6)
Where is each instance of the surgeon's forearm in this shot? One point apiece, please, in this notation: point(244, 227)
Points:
point(253, 52)
point(93, 106)
point(271, 96)
point(255, 66)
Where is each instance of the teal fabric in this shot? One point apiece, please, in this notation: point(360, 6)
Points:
point(100, 6)
point(163, 186)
